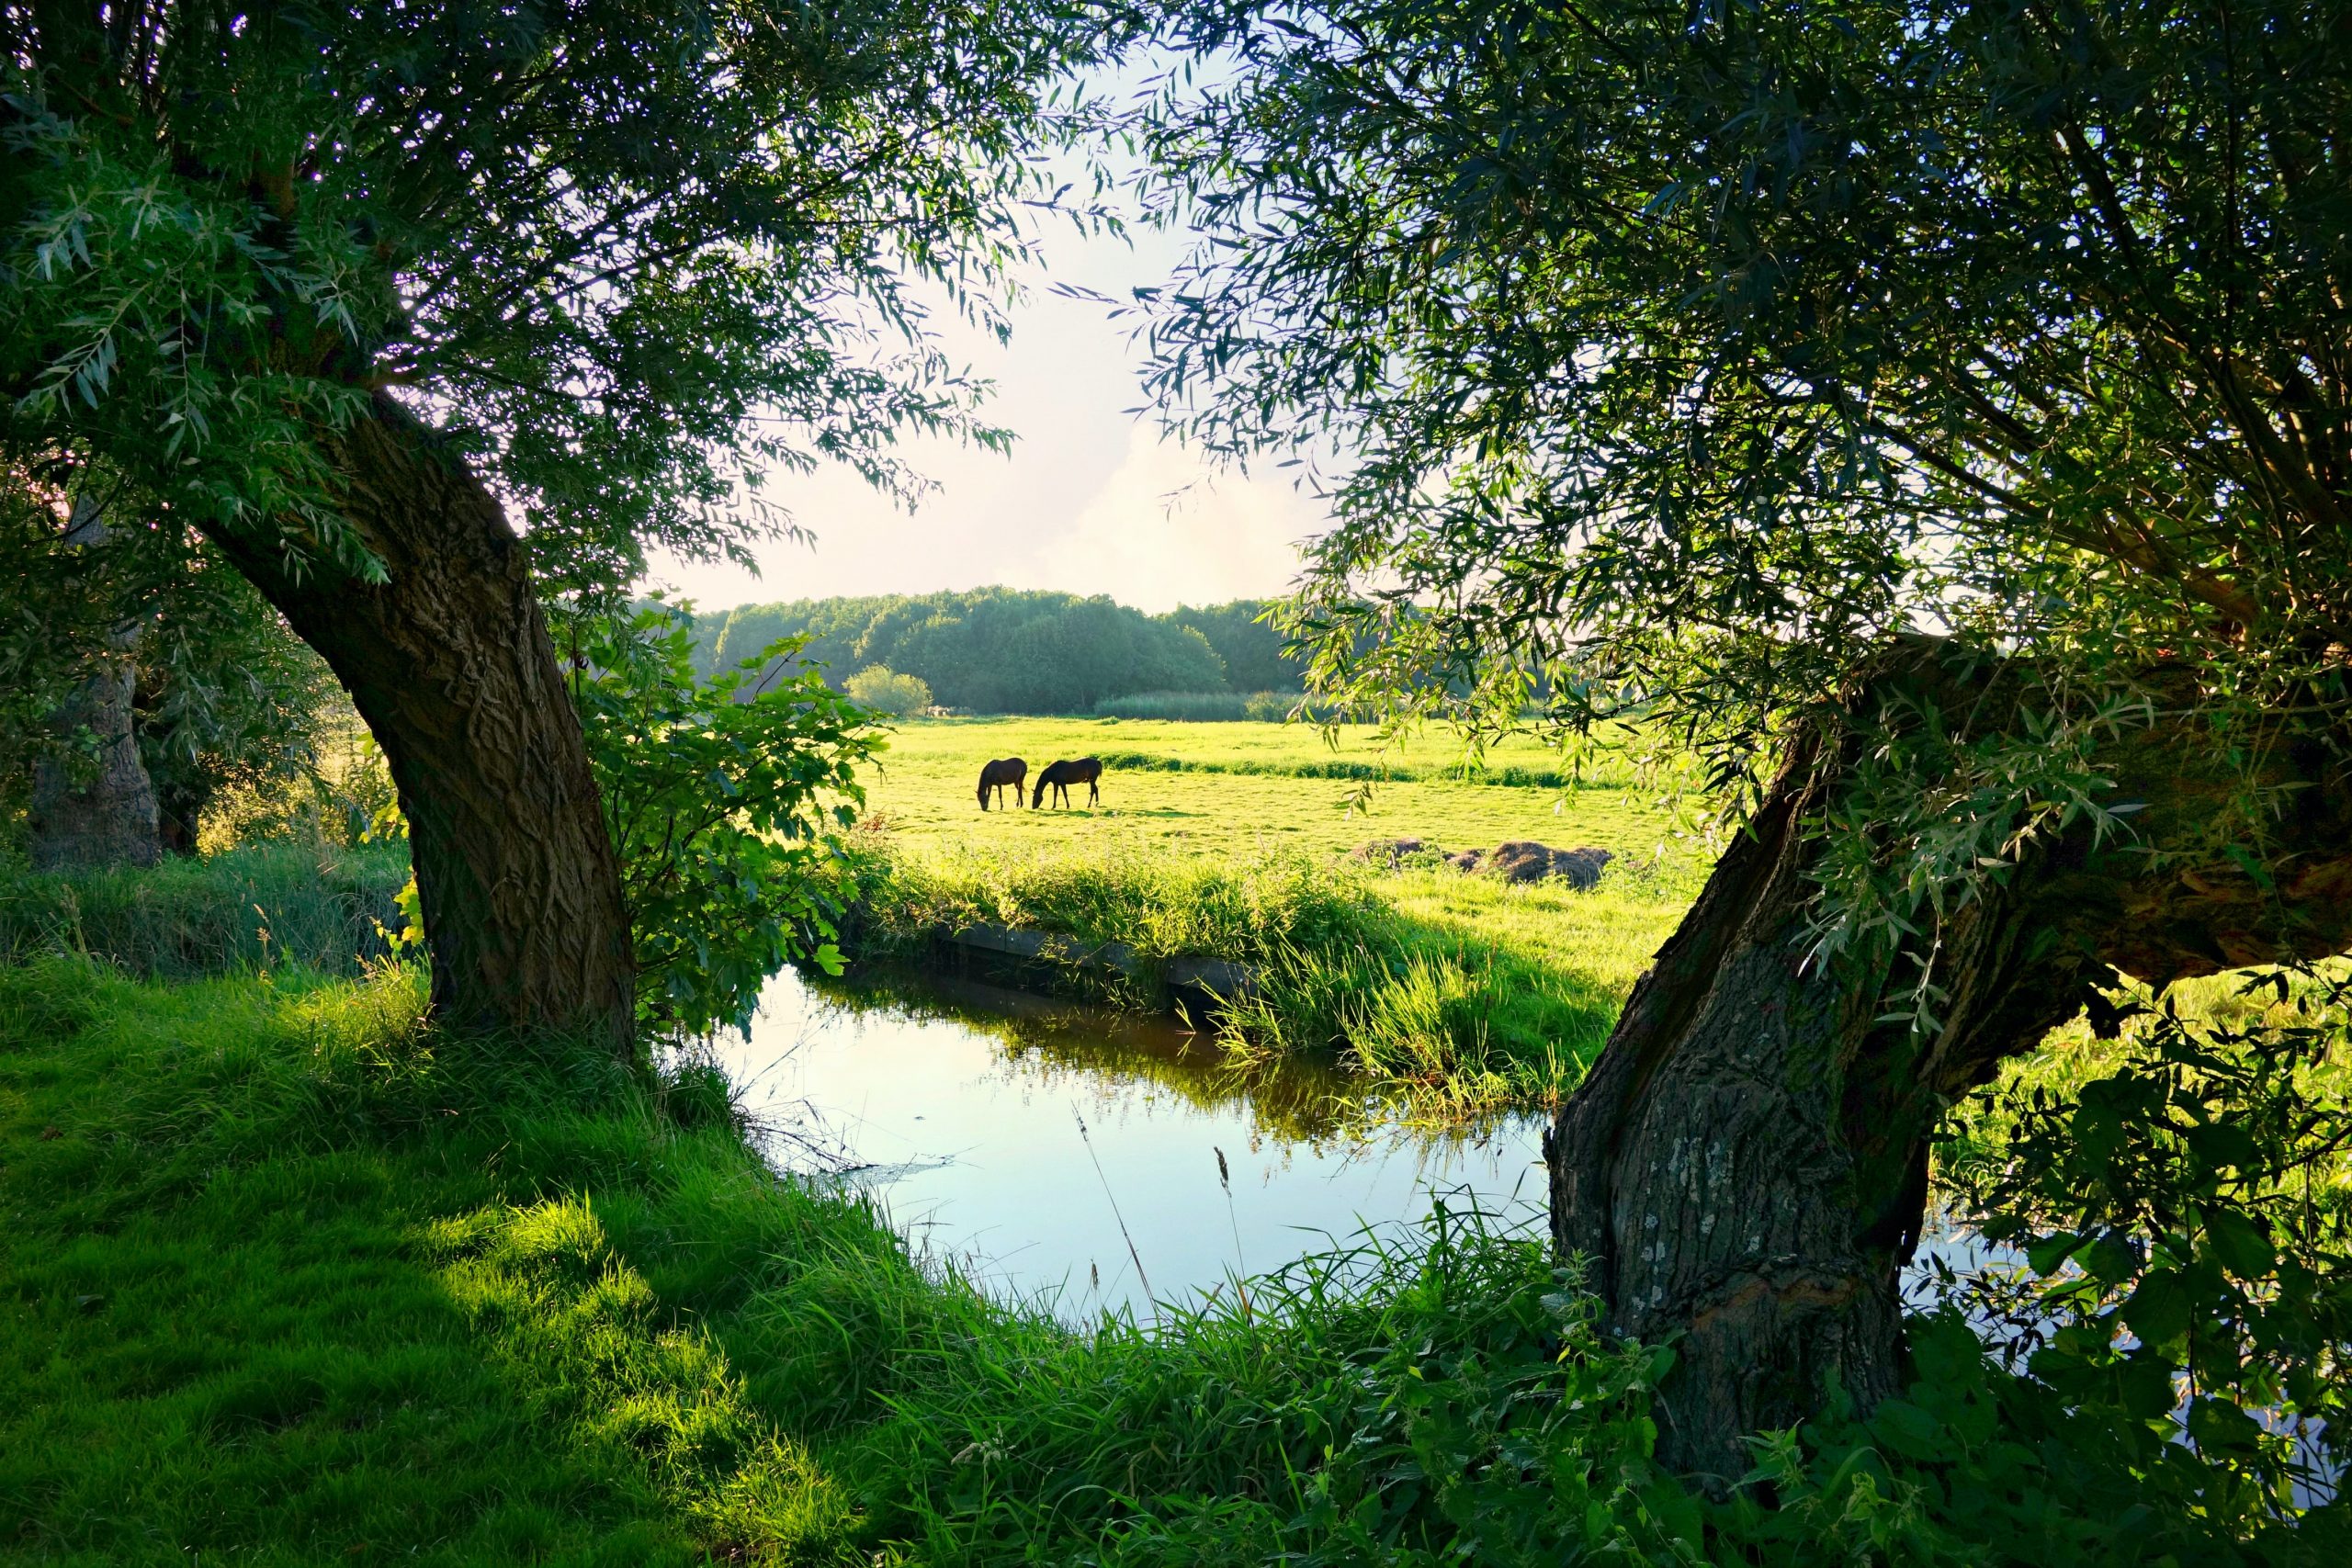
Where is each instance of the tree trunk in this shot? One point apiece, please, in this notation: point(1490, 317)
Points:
point(91, 815)
point(1747, 1164)
point(450, 662)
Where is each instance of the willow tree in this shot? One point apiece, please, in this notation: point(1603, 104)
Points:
point(1937, 413)
point(423, 312)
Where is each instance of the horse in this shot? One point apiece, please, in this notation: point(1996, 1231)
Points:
point(1059, 776)
point(1005, 772)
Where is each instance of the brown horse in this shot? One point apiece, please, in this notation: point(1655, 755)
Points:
point(1059, 776)
point(1005, 773)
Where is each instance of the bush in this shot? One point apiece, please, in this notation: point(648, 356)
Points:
point(1271, 707)
point(884, 690)
point(720, 795)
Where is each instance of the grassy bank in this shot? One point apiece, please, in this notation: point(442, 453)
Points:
point(290, 1279)
point(1459, 995)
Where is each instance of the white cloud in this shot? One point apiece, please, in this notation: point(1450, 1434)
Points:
point(1167, 528)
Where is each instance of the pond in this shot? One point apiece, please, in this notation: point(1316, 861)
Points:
point(1091, 1158)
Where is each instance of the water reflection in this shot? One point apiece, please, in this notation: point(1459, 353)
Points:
point(1056, 1150)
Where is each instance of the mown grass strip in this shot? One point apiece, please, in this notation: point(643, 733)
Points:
point(1511, 775)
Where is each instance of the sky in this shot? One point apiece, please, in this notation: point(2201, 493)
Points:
point(1091, 499)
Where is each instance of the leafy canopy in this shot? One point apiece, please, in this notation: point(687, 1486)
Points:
point(1682, 354)
point(636, 255)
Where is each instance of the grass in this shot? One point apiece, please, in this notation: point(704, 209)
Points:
point(1244, 790)
point(288, 1278)
point(1457, 996)
point(258, 907)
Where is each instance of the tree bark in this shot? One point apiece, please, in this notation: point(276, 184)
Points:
point(450, 662)
point(1747, 1164)
point(89, 815)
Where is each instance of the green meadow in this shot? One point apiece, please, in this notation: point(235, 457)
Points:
point(1459, 994)
point(1244, 790)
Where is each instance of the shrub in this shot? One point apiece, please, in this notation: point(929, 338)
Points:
point(719, 795)
point(1269, 708)
point(884, 690)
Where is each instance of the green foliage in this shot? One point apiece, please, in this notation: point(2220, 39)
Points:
point(1447, 1012)
point(308, 1283)
point(632, 259)
point(2186, 1240)
point(1247, 643)
point(990, 650)
point(231, 703)
point(716, 793)
point(228, 700)
point(1681, 357)
point(880, 689)
point(295, 1279)
point(1364, 1406)
point(1971, 1465)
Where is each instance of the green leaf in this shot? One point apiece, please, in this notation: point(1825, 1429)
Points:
point(2242, 1245)
point(2159, 1310)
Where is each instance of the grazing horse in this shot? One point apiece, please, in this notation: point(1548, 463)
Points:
point(1005, 773)
point(1059, 776)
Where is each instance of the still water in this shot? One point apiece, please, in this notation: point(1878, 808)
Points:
point(1089, 1159)
point(1058, 1151)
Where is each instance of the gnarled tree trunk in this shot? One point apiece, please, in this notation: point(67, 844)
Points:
point(1747, 1164)
point(89, 814)
point(450, 662)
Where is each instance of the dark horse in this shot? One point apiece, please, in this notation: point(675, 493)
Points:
point(1059, 776)
point(1005, 773)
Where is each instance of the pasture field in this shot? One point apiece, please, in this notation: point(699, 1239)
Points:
point(1460, 994)
point(1246, 790)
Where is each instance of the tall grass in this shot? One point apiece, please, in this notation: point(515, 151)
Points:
point(252, 908)
point(292, 1279)
point(1449, 1017)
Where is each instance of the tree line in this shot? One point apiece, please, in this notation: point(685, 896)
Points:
point(1015, 650)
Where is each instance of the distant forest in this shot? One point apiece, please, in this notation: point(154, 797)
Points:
point(1009, 651)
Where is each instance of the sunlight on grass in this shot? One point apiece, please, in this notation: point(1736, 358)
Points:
point(1460, 994)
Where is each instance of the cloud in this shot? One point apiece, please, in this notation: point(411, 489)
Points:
point(1167, 528)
